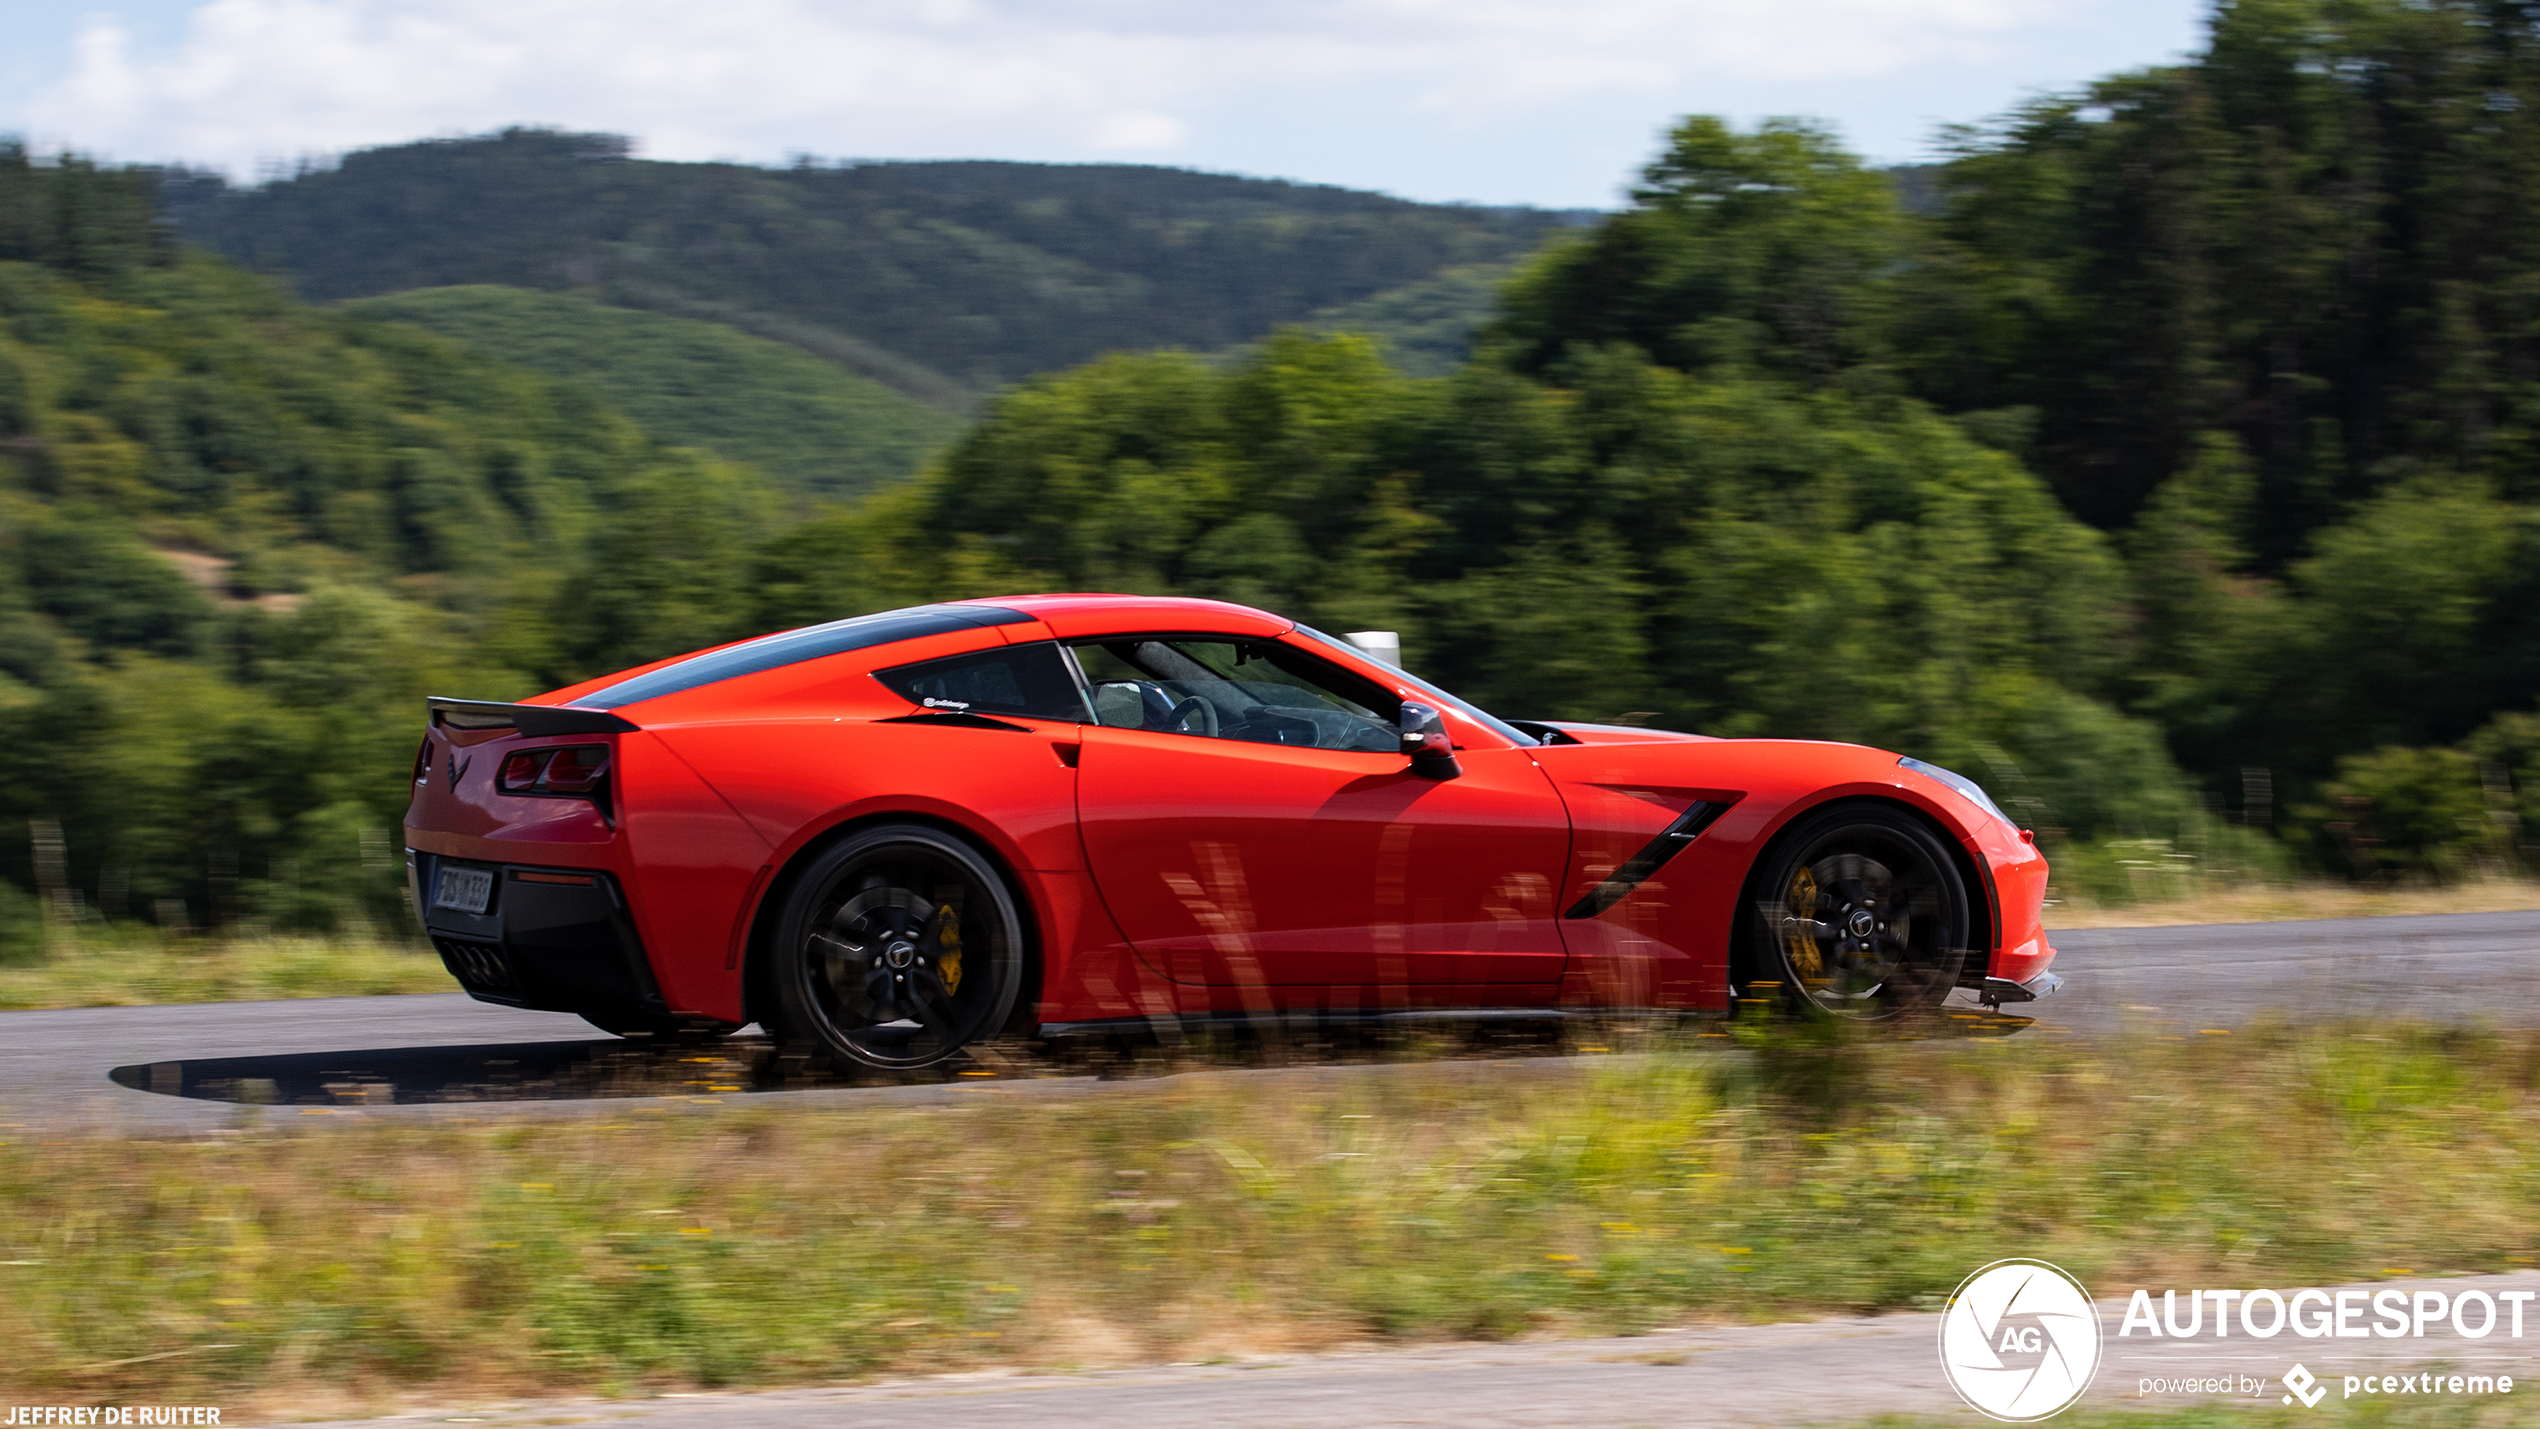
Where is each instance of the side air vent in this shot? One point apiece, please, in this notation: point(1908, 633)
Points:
point(1636, 870)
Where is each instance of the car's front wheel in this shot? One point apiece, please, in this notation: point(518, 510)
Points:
point(894, 949)
point(1859, 913)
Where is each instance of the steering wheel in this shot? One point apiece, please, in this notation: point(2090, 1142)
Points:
point(1193, 704)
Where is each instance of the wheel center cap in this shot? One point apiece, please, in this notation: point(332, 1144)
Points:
point(900, 953)
point(1862, 923)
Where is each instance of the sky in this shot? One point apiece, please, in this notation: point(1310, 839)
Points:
point(1551, 102)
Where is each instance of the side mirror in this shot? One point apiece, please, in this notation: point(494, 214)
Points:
point(1424, 738)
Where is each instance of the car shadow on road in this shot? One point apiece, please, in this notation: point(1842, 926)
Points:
point(602, 1068)
point(524, 1071)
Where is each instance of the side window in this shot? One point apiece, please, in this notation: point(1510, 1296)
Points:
point(1028, 680)
point(1262, 692)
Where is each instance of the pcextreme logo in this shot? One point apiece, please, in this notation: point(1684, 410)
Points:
point(2301, 1384)
point(2020, 1341)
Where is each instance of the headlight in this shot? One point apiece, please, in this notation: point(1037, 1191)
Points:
point(1960, 782)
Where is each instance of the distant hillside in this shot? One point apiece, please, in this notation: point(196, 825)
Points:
point(1427, 327)
point(944, 280)
point(810, 425)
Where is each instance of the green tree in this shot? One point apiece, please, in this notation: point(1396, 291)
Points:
point(2393, 608)
point(2316, 236)
point(99, 225)
point(2397, 813)
point(667, 571)
point(84, 567)
point(1766, 249)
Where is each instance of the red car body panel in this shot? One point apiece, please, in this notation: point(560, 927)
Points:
point(1164, 875)
point(1228, 864)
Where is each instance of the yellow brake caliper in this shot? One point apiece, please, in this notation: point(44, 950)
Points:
point(1806, 958)
point(948, 947)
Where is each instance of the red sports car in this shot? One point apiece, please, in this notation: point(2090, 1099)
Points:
point(887, 837)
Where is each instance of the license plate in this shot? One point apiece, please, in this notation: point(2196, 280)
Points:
point(466, 889)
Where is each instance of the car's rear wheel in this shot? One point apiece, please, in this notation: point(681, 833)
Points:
point(894, 949)
point(1859, 913)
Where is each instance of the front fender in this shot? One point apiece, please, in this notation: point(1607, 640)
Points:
point(1669, 940)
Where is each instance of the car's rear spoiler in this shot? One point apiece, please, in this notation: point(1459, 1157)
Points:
point(528, 719)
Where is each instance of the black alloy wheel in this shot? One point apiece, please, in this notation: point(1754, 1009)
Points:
point(1860, 913)
point(895, 948)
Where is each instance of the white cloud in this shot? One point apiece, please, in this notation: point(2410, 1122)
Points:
point(249, 82)
point(1137, 129)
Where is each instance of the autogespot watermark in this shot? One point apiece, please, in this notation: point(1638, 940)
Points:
point(2327, 1314)
point(2021, 1340)
point(2316, 1314)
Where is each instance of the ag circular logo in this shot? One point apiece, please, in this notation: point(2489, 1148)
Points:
point(2020, 1341)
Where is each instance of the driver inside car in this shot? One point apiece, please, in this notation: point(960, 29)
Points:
point(1264, 693)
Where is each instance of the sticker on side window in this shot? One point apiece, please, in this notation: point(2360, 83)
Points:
point(467, 890)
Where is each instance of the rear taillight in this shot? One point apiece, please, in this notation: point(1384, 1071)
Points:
point(521, 771)
point(575, 769)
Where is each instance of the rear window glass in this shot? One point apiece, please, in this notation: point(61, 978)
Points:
point(1029, 680)
point(795, 646)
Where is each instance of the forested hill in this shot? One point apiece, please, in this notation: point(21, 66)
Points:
point(942, 279)
point(819, 430)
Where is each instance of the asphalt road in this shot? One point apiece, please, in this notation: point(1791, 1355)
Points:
point(2458, 967)
point(182, 1069)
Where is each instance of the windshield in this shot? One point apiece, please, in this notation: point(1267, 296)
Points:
point(1470, 711)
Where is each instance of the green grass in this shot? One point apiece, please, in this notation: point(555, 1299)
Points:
point(758, 1245)
point(132, 964)
point(813, 426)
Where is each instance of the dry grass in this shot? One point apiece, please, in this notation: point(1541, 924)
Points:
point(131, 965)
point(2274, 903)
point(1221, 1214)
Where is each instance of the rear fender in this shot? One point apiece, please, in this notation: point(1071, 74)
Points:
point(1032, 898)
